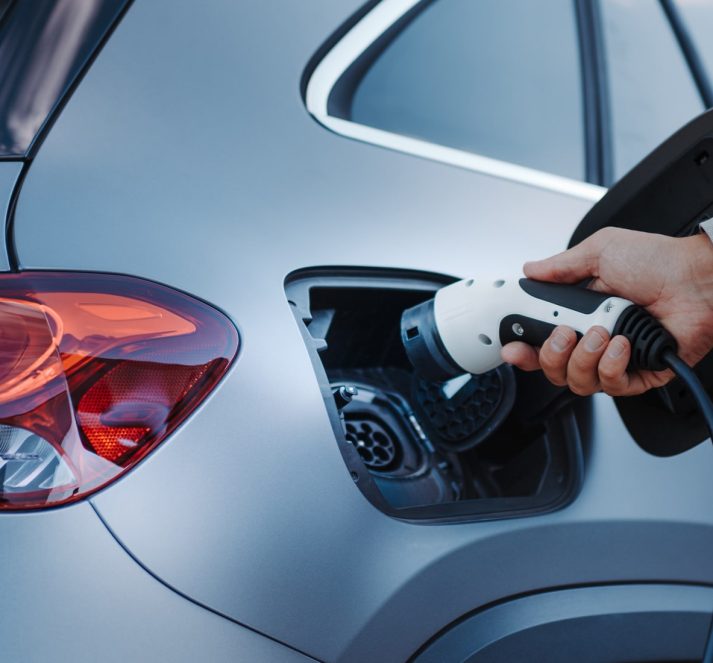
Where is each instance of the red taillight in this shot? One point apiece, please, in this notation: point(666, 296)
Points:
point(95, 371)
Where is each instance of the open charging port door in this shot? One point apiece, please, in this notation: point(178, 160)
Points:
point(669, 192)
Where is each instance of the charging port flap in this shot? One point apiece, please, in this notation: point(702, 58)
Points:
point(669, 192)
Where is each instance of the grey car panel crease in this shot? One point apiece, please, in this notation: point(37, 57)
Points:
point(187, 156)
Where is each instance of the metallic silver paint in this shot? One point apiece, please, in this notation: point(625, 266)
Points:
point(69, 593)
point(616, 622)
point(187, 156)
point(9, 172)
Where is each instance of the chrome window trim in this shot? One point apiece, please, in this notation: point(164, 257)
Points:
point(350, 47)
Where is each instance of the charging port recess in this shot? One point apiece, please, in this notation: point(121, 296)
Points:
point(500, 445)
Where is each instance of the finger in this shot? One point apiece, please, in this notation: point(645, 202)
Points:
point(576, 264)
point(613, 378)
point(555, 353)
point(582, 373)
point(521, 355)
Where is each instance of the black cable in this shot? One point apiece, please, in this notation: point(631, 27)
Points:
point(690, 379)
point(705, 406)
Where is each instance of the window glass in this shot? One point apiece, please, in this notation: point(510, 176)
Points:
point(43, 46)
point(698, 18)
point(495, 77)
point(652, 92)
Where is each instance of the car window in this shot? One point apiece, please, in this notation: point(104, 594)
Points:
point(43, 46)
point(499, 78)
point(698, 20)
point(651, 90)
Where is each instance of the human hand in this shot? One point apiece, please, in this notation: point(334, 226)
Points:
point(671, 277)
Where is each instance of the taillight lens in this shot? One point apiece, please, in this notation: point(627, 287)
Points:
point(95, 371)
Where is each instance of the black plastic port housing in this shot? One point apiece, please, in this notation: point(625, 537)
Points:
point(669, 192)
point(415, 453)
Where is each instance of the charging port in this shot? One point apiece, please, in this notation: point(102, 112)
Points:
point(496, 445)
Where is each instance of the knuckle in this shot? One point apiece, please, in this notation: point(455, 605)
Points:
point(556, 377)
point(613, 388)
point(604, 232)
point(584, 363)
point(609, 372)
point(582, 376)
point(579, 363)
point(582, 389)
point(604, 235)
point(612, 380)
point(558, 382)
point(615, 391)
point(561, 272)
point(551, 362)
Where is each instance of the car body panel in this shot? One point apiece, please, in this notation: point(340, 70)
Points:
point(187, 156)
point(585, 624)
point(307, 559)
point(9, 172)
point(70, 593)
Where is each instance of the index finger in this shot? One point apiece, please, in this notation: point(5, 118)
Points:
point(522, 355)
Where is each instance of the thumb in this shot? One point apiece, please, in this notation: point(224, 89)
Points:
point(576, 264)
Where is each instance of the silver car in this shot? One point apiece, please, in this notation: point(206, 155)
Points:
point(212, 446)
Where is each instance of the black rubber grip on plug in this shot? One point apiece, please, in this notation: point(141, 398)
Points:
point(649, 339)
point(572, 297)
point(516, 327)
